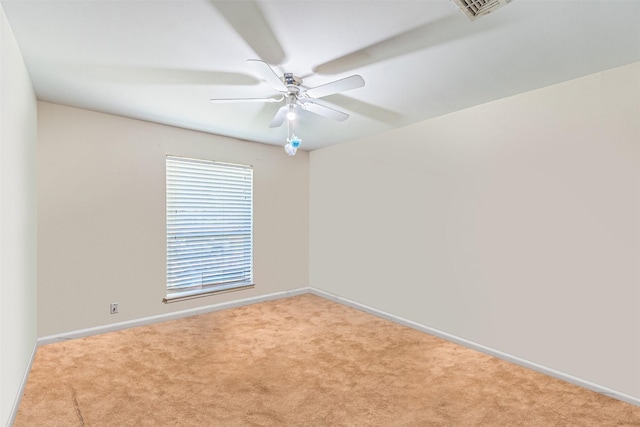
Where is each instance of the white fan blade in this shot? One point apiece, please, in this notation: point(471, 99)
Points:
point(323, 110)
point(278, 119)
point(268, 74)
point(215, 100)
point(341, 85)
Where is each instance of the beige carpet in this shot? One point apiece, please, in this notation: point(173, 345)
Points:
point(300, 361)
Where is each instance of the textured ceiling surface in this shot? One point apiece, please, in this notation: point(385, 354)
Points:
point(162, 61)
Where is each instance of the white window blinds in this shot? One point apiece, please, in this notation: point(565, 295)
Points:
point(209, 227)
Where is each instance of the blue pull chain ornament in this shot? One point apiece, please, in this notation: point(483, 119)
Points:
point(292, 145)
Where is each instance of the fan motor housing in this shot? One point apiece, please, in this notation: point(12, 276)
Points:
point(289, 79)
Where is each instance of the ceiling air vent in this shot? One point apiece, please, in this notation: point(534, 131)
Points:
point(474, 9)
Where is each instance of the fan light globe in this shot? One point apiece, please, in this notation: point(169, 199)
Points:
point(291, 115)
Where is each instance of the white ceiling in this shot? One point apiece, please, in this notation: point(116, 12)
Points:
point(162, 61)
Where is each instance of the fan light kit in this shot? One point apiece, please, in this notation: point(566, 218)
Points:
point(291, 115)
point(290, 89)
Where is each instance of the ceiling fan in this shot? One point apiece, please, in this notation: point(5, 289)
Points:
point(290, 90)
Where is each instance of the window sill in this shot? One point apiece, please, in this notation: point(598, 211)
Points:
point(183, 296)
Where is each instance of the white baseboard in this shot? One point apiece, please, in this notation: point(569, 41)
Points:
point(23, 384)
point(168, 316)
point(379, 313)
point(481, 348)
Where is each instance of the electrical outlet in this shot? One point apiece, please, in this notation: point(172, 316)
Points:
point(114, 308)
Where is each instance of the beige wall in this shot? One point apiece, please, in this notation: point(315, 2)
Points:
point(515, 225)
point(101, 216)
point(17, 221)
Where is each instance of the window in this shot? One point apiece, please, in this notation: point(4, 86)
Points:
point(209, 227)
